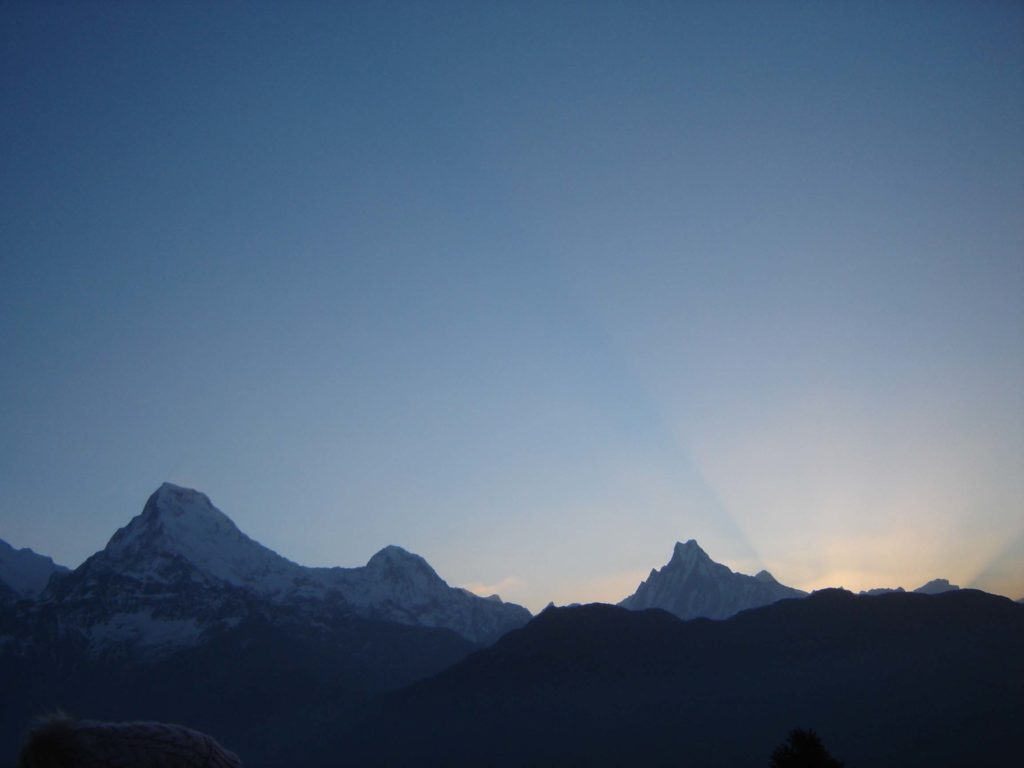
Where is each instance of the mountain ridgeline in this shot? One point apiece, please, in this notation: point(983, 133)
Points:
point(178, 569)
point(896, 679)
point(184, 618)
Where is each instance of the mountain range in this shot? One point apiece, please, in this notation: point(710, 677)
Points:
point(181, 545)
point(182, 617)
point(182, 568)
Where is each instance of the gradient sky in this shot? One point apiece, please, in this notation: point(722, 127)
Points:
point(533, 290)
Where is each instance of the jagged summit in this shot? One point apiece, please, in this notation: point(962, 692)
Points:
point(689, 552)
point(692, 585)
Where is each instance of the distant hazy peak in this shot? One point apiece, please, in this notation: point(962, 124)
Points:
point(766, 577)
point(936, 586)
point(25, 572)
point(880, 591)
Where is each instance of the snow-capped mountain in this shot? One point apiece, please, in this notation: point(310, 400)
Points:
point(180, 537)
point(182, 569)
point(24, 573)
point(693, 585)
point(936, 587)
point(396, 585)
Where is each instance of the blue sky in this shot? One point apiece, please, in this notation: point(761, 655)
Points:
point(533, 290)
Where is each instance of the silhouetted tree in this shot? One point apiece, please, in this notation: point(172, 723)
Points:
point(803, 749)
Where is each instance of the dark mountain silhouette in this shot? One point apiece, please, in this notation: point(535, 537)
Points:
point(183, 618)
point(8, 595)
point(936, 586)
point(263, 687)
point(897, 679)
point(881, 590)
point(24, 573)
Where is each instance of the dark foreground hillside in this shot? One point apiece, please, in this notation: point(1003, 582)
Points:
point(263, 689)
point(898, 679)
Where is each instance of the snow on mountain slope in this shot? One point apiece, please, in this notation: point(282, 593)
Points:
point(182, 567)
point(693, 585)
point(180, 526)
point(396, 585)
point(24, 572)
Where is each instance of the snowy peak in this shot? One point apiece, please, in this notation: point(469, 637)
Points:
point(187, 507)
point(693, 585)
point(393, 559)
point(25, 573)
point(178, 517)
point(397, 585)
point(180, 534)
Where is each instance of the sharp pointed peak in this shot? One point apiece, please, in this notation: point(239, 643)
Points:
point(690, 550)
point(173, 512)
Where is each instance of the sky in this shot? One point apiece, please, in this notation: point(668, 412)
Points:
point(531, 289)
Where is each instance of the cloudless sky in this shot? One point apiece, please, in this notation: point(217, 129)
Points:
point(531, 289)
